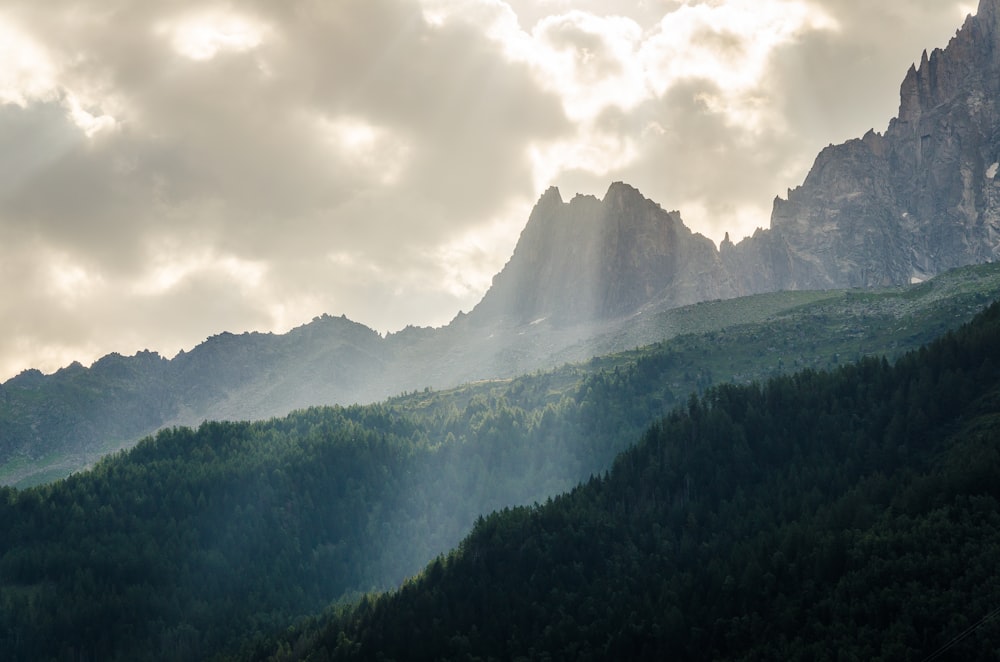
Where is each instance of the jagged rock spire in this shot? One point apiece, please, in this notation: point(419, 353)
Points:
point(592, 259)
point(906, 205)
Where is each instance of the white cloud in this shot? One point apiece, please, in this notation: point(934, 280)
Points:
point(729, 45)
point(170, 268)
point(468, 262)
point(86, 120)
point(204, 34)
point(591, 62)
point(30, 76)
point(591, 150)
point(598, 64)
point(27, 74)
point(71, 283)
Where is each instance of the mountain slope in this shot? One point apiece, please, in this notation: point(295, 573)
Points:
point(854, 511)
point(77, 414)
point(51, 426)
point(198, 539)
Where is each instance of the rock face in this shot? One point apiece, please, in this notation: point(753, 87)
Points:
point(902, 206)
point(590, 260)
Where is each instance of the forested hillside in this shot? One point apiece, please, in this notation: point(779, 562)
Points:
point(197, 541)
point(845, 515)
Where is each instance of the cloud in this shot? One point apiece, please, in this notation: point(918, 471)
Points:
point(172, 170)
point(153, 145)
point(205, 34)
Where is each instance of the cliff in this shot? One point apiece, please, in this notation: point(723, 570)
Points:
point(902, 206)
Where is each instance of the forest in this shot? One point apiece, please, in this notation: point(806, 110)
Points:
point(198, 540)
point(844, 515)
point(211, 542)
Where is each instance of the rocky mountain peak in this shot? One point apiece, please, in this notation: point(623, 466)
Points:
point(905, 205)
point(621, 195)
point(551, 199)
point(965, 65)
point(593, 259)
point(987, 17)
point(884, 209)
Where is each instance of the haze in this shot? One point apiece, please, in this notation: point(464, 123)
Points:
point(172, 170)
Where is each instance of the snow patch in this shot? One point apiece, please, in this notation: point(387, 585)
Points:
point(991, 172)
point(914, 280)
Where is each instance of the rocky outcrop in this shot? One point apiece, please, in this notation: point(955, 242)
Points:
point(591, 259)
point(902, 206)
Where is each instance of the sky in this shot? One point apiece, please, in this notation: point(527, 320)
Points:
point(173, 169)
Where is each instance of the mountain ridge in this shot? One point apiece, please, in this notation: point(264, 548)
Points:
point(57, 424)
point(880, 210)
point(885, 209)
point(903, 205)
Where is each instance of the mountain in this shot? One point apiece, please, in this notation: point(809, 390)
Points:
point(854, 511)
point(882, 210)
point(902, 206)
point(590, 260)
point(586, 277)
point(198, 539)
point(59, 423)
point(51, 426)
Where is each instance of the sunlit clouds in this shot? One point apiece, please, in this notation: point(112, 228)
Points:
point(203, 35)
point(170, 270)
point(358, 144)
point(730, 46)
point(27, 74)
point(72, 283)
point(596, 63)
point(169, 171)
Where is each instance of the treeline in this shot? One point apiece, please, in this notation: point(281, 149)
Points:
point(851, 515)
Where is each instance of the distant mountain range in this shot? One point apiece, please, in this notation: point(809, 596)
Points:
point(586, 277)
